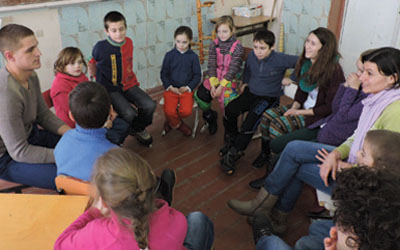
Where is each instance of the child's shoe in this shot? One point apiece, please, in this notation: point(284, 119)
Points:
point(229, 160)
point(167, 183)
point(144, 137)
point(211, 118)
point(166, 128)
point(185, 129)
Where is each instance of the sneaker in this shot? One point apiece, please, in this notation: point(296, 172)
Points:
point(144, 137)
point(185, 129)
point(167, 183)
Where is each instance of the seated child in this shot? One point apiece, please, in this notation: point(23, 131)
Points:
point(79, 148)
point(180, 74)
point(68, 69)
point(112, 61)
point(262, 88)
point(126, 215)
point(224, 62)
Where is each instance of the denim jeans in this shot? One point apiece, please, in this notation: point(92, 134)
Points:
point(200, 233)
point(296, 166)
point(272, 242)
point(118, 132)
point(38, 175)
point(318, 231)
point(138, 118)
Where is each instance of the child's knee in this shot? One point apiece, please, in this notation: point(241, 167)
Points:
point(185, 111)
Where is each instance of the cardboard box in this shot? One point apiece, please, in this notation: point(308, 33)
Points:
point(251, 10)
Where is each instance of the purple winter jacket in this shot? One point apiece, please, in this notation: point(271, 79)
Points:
point(341, 123)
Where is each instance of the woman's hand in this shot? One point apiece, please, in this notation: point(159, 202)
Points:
point(330, 162)
point(331, 241)
point(352, 81)
point(212, 91)
point(291, 111)
point(342, 165)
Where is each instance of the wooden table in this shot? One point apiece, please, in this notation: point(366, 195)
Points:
point(248, 25)
point(32, 221)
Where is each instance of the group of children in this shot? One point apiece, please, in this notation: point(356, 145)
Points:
point(104, 112)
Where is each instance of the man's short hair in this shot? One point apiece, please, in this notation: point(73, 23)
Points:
point(11, 35)
point(90, 104)
point(113, 17)
point(367, 204)
point(265, 36)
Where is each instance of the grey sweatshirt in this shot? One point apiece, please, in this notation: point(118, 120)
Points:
point(20, 108)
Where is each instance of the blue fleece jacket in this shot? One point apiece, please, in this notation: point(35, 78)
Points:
point(264, 77)
point(78, 150)
point(181, 69)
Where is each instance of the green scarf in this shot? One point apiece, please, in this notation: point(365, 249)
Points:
point(304, 82)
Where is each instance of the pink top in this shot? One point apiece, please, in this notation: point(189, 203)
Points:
point(93, 231)
point(62, 85)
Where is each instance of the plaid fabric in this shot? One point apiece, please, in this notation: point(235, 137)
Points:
point(274, 124)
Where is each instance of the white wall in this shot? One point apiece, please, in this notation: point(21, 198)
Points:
point(368, 24)
point(47, 31)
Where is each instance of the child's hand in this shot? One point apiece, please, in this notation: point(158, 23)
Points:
point(242, 87)
point(331, 241)
point(174, 90)
point(218, 91)
point(212, 91)
point(99, 204)
point(184, 89)
point(92, 70)
point(286, 81)
point(352, 81)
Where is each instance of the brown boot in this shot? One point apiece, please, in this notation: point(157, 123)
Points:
point(263, 203)
point(185, 129)
point(279, 221)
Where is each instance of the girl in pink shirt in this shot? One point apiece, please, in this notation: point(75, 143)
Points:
point(126, 215)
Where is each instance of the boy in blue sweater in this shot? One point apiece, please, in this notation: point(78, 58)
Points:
point(261, 89)
point(79, 148)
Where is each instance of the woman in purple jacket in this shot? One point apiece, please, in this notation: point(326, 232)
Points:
point(332, 130)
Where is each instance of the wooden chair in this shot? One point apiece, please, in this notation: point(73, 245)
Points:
point(72, 186)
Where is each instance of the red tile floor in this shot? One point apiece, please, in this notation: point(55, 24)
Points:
point(201, 185)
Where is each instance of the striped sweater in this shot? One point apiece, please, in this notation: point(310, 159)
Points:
point(235, 64)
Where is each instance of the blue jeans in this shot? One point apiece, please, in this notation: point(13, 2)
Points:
point(272, 242)
point(200, 233)
point(138, 118)
point(318, 231)
point(37, 175)
point(297, 165)
point(118, 132)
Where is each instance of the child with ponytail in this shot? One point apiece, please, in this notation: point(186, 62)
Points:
point(126, 215)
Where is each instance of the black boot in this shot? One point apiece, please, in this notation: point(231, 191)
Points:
point(263, 158)
point(261, 227)
point(211, 118)
point(228, 142)
point(258, 183)
point(166, 184)
point(229, 160)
